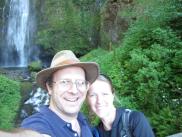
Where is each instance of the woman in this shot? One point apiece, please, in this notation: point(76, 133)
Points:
point(100, 98)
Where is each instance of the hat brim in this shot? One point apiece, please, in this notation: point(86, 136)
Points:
point(91, 72)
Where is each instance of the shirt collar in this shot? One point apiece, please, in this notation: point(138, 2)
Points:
point(50, 114)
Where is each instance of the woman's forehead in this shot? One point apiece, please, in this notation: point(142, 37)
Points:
point(99, 85)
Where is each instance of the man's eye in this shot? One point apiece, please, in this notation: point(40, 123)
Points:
point(64, 82)
point(81, 83)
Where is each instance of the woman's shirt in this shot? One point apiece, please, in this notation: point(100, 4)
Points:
point(138, 125)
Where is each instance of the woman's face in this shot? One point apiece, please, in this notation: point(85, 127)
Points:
point(100, 98)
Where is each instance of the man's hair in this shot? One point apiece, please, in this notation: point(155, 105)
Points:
point(49, 80)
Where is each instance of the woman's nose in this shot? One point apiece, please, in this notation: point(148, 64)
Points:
point(99, 99)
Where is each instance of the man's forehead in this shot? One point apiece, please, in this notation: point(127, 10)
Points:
point(70, 72)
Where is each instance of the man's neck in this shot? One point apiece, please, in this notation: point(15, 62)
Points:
point(76, 126)
point(66, 117)
point(72, 119)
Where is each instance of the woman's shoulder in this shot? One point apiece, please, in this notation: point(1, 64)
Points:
point(138, 119)
point(134, 115)
point(137, 115)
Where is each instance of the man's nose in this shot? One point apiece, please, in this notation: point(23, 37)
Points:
point(73, 89)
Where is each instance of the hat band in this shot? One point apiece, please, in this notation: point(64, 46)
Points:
point(66, 62)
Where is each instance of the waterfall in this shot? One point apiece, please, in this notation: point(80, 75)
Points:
point(15, 47)
point(35, 99)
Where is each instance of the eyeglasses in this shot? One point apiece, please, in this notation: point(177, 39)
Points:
point(67, 84)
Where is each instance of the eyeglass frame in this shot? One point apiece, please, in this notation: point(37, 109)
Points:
point(71, 84)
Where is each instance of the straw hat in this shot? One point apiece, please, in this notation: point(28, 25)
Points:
point(63, 59)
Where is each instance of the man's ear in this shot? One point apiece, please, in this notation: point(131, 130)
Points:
point(49, 89)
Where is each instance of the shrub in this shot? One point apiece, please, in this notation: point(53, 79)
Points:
point(9, 102)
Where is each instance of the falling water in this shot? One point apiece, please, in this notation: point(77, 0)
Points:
point(36, 98)
point(15, 52)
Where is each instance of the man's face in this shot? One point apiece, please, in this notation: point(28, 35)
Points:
point(67, 101)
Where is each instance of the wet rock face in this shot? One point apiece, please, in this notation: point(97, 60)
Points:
point(17, 74)
point(114, 24)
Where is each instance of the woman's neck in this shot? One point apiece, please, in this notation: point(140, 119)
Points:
point(108, 121)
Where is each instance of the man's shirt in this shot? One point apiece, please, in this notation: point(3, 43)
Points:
point(47, 122)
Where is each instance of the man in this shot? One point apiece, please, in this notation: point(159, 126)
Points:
point(67, 81)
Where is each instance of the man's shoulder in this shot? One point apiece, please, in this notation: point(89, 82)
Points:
point(38, 115)
point(34, 119)
point(83, 119)
point(40, 122)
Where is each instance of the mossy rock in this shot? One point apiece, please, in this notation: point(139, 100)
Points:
point(35, 66)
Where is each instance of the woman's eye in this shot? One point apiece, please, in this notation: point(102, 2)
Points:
point(105, 94)
point(92, 95)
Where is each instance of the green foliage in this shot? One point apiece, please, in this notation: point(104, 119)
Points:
point(9, 101)
point(94, 55)
point(68, 26)
point(166, 122)
point(176, 61)
point(146, 68)
point(150, 64)
point(154, 12)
